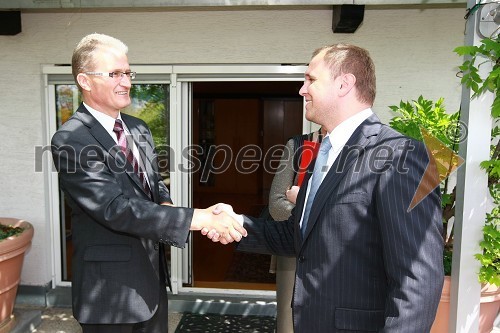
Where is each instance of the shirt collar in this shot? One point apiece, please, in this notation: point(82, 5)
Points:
point(106, 121)
point(344, 130)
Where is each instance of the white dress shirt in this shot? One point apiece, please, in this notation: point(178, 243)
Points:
point(339, 135)
point(108, 123)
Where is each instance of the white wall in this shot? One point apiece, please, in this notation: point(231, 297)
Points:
point(412, 50)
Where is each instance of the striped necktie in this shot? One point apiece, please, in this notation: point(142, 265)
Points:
point(127, 151)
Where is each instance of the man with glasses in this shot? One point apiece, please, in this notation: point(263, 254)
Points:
point(122, 214)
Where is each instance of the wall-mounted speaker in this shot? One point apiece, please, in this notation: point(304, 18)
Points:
point(10, 23)
point(347, 18)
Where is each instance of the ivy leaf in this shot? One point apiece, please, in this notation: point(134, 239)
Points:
point(495, 108)
point(466, 50)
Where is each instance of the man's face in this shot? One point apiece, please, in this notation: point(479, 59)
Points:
point(108, 94)
point(319, 90)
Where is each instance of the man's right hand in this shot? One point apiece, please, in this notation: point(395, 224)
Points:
point(223, 224)
point(220, 208)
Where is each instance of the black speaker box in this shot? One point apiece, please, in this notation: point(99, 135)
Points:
point(347, 18)
point(10, 23)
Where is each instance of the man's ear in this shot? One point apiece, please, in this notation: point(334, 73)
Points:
point(83, 81)
point(346, 84)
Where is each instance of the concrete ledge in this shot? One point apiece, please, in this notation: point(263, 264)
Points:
point(43, 296)
point(195, 303)
point(223, 304)
point(32, 295)
point(59, 297)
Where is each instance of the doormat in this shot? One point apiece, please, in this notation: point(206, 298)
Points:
point(216, 323)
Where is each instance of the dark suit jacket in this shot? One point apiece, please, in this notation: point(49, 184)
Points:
point(365, 264)
point(117, 230)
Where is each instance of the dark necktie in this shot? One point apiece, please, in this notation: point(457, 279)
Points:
point(317, 177)
point(127, 151)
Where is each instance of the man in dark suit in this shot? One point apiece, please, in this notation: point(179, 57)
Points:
point(366, 260)
point(122, 214)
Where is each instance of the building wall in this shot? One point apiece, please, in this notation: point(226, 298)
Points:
point(412, 48)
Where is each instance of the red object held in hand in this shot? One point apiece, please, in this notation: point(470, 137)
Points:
point(309, 152)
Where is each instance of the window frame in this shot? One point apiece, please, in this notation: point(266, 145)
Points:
point(179, 77)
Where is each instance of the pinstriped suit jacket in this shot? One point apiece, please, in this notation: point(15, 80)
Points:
point(365, 263)
point(118, 231)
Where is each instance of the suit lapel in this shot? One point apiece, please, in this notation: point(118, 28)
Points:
point(103, 137)
point(95, 128)
point(351, 152)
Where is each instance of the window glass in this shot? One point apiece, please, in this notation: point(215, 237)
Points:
point(150, 102)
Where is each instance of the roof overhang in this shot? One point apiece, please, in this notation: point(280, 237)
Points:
point(116, 4)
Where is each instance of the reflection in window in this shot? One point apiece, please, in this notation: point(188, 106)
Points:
point(67, 101)
point(150, 102)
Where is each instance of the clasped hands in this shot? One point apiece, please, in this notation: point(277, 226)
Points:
point(219, 223)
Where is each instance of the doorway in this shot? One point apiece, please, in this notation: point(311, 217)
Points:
point(230, 120)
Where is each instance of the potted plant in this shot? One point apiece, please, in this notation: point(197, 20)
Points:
point(423, 113)
point(432, 116)
point(15, 239)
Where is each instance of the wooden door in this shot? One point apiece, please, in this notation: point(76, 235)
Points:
point(237, 123)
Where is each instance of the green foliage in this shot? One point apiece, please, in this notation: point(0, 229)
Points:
point(490, 245)
point(150, 103)
point(490, 257)
point(429, 115)
point(487, 53)
point(154, 115)
point(447, 258)
point(154, 93)
point(7, 230)
point(424, 113)
point(492, 167)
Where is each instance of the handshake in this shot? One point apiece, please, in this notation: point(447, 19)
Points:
point(219, 223)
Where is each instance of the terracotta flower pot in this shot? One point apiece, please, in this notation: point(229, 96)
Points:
point(440, 324)
point(490, 307)
point(11, 261)
point(488, 311)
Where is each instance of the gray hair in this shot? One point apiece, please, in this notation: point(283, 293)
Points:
point(83, 54)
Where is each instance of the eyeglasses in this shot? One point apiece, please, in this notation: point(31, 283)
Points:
point(114, 75)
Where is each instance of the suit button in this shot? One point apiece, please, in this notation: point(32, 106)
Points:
point(302, 259)
point(157, 246)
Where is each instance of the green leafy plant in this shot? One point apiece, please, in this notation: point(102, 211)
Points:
point(490, 245)
point(7, 230)
point(151, 109)
point(490, 265)
point(424, 113)
point(488, 52)
point(433, 117)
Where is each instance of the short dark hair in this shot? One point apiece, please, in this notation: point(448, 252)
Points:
point(347, 58)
